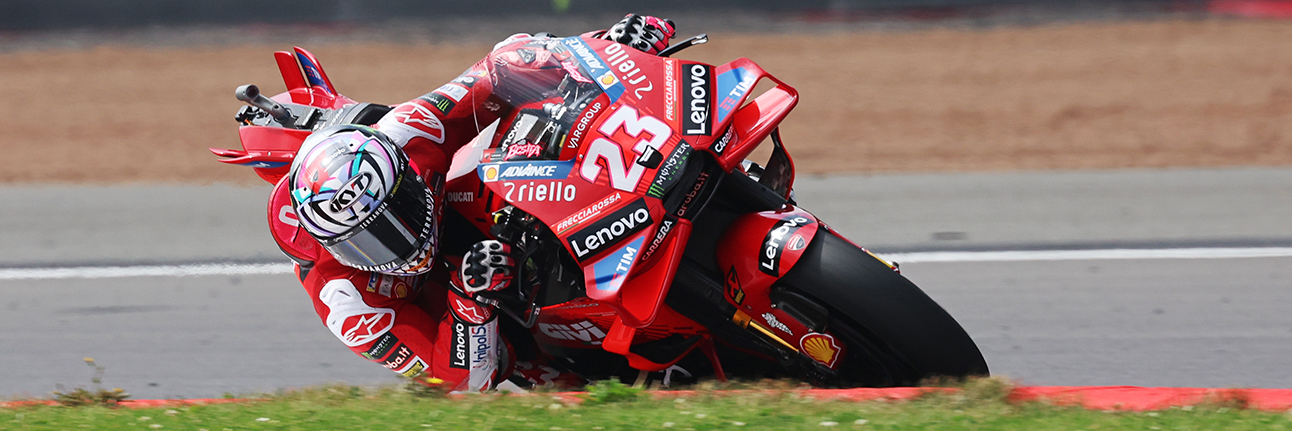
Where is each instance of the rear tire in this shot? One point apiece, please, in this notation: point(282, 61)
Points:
point(895, 335)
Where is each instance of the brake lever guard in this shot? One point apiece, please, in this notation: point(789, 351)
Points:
point(699, 39)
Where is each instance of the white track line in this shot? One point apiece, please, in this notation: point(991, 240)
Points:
point(923, 257)
point(144, 271)
point(1106, 254)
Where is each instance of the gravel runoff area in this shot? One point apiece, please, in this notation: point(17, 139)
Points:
point(143, 105)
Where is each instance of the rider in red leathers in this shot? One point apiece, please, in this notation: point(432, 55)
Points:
point(371, 201)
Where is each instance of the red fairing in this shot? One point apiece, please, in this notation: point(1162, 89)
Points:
point(756, 250)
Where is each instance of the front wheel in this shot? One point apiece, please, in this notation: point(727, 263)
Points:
point(894, 334)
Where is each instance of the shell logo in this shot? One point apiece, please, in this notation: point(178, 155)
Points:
point(491, 173)
point(608, 79)
point(820, 347)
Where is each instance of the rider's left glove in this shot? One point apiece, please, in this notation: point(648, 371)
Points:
point(645, 33)
point(488, 266)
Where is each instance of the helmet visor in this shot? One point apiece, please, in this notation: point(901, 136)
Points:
point(400, 232)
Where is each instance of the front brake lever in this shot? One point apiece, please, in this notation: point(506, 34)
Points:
point(699, 39)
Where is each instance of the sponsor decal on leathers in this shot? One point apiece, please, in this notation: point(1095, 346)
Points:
point(484, 359)
point(458, 346)
point(379, 349)
point(697, 99)
point(399, 359)
point(415, 366)
point(610, 230)
point(412, 119)
point(350, 319)
point(769, 257)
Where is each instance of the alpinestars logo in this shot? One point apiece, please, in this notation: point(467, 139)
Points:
point(769, 260)
point(697, 100)
point(609, 231)
point(414, 119)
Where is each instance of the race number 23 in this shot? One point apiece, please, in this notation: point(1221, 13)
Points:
point(623, 177)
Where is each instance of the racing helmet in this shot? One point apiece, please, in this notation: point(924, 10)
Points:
point(354, 190)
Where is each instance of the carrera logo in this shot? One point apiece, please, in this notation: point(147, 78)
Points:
point(698, 100)
point(586, 213)
point(458, 348)
point(664, 227)
point(721, 146)
point(412, 119)
point(769, 260)
point(583, 331)
point(609, 231)
point(821, 347)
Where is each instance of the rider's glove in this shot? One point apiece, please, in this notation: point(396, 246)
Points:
point(488, 266)
point(645, 33)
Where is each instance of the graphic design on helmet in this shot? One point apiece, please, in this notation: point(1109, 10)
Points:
point(354, 191)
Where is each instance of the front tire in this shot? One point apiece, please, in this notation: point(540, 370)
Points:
point(895, 335)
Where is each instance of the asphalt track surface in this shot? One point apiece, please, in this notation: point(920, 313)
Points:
point(1043, 317)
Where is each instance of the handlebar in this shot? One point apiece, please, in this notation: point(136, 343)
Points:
point(251, 95)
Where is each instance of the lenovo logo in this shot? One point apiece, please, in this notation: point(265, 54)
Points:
point(696, 100)
point(611, 230)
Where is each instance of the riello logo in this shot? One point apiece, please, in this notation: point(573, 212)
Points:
point(610, 230)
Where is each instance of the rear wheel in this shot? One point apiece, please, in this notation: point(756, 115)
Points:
point(894, 334)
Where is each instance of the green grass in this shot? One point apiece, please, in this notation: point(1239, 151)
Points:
point(610, 407)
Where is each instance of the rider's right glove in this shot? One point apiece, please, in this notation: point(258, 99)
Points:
point(645, 33)
point(488, 266)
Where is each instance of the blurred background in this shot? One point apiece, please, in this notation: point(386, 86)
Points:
point(923, 125)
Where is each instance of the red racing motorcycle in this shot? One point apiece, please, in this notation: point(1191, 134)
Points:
point(647, 236)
